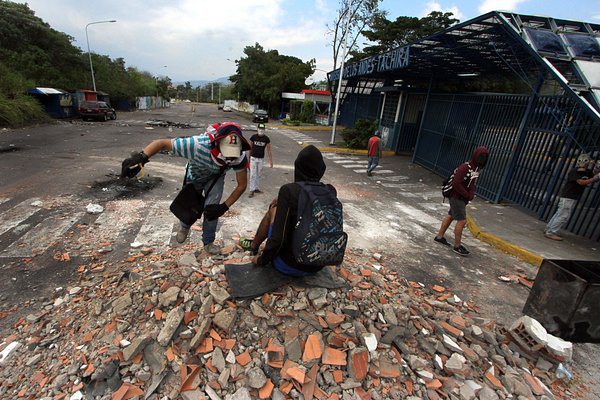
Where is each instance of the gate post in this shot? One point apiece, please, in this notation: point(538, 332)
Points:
point(508, 173)
point(414, 155)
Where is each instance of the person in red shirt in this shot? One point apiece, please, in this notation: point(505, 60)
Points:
point(374, 152)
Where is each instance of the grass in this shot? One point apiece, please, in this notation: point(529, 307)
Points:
point(20, 111)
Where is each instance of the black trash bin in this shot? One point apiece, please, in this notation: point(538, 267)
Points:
point(565, 299)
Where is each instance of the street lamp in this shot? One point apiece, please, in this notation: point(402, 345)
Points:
point(88, 46)
point(156, 80)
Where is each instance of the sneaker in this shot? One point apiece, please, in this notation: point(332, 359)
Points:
point(245, 244)
point(257, 191)
point(182, 234)
point(251, 194)
point(212, 248)
point(369, 173)
point(553, 236)
point(461, 250)
point(441, 240)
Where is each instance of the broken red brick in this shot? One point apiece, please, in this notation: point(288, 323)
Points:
point(313, 348)
point(358, 364)
point(243, 359)
point(451, 330)
point(333, 356)
point(189, 316)
point(438, 288)
point(275, 354)
point(265, 391)
point(493, 380)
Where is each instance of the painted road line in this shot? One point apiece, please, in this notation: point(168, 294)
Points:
point(157, 228)
point(344, 161)
point(117, 217)
point(417, 215)
point(364, 166)
point(393, 178)
point(42, 236)
point(17, 214)
point(379, 171)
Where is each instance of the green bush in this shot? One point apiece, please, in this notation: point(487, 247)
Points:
point(292, 122)
point(19, 111)
point(307, 115)
point(295, 110)
point(358, 137)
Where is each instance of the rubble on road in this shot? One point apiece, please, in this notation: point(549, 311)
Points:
point(163, 326)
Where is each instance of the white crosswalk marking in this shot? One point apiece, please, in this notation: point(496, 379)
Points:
point(42, 236)
point(17, 214)
point(158, 227)
point(117, 217)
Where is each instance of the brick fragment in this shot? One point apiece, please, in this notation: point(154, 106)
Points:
point(333, 356)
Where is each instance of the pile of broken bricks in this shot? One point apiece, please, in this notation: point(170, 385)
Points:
point(164, 327)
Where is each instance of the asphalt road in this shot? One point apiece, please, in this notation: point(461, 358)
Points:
point(51, 173)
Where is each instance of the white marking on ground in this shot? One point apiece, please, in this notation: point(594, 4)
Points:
point(17, 214)
point(394, 178)
point(383, 171)
point(157, 227)
point(354, 165)
point(41, 236)
point(417, 215)
point(118, 216)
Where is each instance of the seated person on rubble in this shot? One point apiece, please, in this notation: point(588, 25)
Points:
point(292, 249)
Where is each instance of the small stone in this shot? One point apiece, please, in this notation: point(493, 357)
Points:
point(219, 294)
point(122, 304)
point(256, 378)
point(136, 347)
point(224, 319)
point(75, 290)
point(169, 296)
point(257, 310)
point(218, 361)
point(172, 322)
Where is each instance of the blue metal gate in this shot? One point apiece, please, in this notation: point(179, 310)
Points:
point(531, 148)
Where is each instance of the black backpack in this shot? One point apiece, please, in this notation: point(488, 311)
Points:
point(318, 238)
point(447, 185)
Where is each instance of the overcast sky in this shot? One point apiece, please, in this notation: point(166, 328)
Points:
point(194, 38)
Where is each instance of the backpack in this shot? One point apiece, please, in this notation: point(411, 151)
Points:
point(318, 238)
point(447, 184)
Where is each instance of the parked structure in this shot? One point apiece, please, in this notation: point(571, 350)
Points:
point(527, 87)
point(57, 103)
point(320, 98)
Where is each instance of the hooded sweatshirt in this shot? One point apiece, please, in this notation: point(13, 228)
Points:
point(308, 167)
point(465, 177)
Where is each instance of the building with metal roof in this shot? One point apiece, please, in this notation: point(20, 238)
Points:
point(527, 87)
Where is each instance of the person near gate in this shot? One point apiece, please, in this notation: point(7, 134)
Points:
point(260, 142)
point(210, 155)
point(464, 182)
point(577, 179)
point(374, 152)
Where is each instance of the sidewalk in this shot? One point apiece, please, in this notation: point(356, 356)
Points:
point(506, 227)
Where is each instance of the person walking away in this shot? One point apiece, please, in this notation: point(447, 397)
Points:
point(374, 152)
point(281, 218)
point(209, 156)
point(577, 179)
point(464, 185)
point(259, 142)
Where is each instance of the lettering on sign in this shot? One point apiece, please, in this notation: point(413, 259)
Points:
point(388, 61)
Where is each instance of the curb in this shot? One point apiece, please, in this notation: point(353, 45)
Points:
point(384, 153)
point(501, 244)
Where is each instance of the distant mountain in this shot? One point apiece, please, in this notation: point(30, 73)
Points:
point(201, 82)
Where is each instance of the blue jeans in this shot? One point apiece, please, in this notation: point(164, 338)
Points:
point(561, 216)
point(373, 162)
point(282, 267)
point(209, 228)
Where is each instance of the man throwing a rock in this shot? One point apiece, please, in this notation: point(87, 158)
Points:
point(209, 156)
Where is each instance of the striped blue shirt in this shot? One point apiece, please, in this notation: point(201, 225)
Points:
point(196, 149)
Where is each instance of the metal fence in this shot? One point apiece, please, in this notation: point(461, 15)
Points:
point(533, 144)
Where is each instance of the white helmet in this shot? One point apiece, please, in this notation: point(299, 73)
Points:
point(583, 160)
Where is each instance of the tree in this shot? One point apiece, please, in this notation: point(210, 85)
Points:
point(352, 18)
point(262, 75)
point(404, 30)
